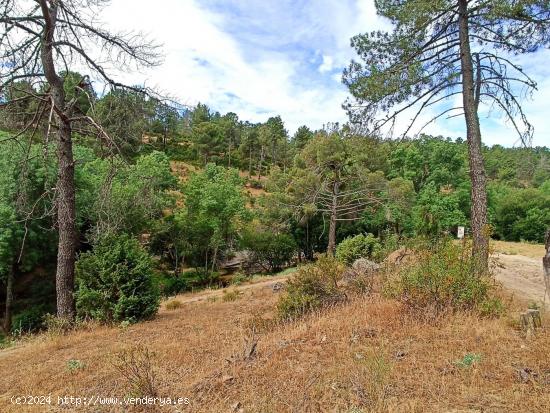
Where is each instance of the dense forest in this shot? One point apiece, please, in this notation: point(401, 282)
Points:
point(180, 193)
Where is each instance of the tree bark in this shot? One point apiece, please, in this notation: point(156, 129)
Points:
point(229, 160)
point(250, 162)
point(260, 164)
point(9, 299)
point(546, 263)
point(66, 208)
point(331, 248)
point(66, 225)
point(480, 248)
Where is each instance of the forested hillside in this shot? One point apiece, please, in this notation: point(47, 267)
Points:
point(184, 230)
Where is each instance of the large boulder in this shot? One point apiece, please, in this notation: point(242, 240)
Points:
point(360, 268)
point(402, 256)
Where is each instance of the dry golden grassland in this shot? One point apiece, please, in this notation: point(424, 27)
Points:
point(518, 248)
point(225, 355)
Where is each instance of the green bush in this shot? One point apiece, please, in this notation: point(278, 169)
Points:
point(239, 278)
point(442, 279)
point(29, 320)
point(312, 287)
point(359, 246)
point(269, 250)
point(170, 286)
point(115, 281)
point(201, 278)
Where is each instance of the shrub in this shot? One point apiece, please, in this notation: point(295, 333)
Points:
point(29, 320)
point(312, 287)
point(171, 286)
point(269, 250)
point(359, 246)
point(115, 282)
point(255, 184)
point(442, 279)
point(239, 278)
point(230, 295)
point(5, 342)
point(74, 365)
point(200, 278)
point(389, 244)
point(57, 325)
point(469, 360)
point(173, 305)
point(137, 367)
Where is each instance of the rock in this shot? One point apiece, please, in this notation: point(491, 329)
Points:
point(240, 260)
point(227, 379)
point(526, 374)
point(278, 286)
point(360, 268)
point(402, 256)
point(364, 266)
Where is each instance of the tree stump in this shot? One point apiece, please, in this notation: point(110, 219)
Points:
point(530, 321)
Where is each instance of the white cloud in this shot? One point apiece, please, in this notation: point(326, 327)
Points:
point(205, 64)
point(261, 59)
point(327, 65)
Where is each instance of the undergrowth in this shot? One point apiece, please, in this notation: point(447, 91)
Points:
point(312, 287)
point(442, 279)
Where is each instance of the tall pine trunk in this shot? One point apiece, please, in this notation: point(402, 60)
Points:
point(546, 263)
point(66, 208)
point(9, 299)
point(250, 162)
point(331, 248)
point(480, 248)
point(64, 278)
point(260, 164)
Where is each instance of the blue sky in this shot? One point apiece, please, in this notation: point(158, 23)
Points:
point(261, 58)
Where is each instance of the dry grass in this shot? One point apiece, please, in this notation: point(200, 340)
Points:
point(231, 295)
point(367, 355)
point(173, 305)
point(182, 169)
point(518, 248)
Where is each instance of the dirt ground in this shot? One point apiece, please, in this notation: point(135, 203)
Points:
point(522, 276)
point(262, 282)
point(519, 269)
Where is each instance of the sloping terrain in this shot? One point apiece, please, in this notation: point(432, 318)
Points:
point(367, 355)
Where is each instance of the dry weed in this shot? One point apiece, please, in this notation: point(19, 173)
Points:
point(173, 305)
point(135, 365)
